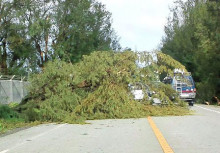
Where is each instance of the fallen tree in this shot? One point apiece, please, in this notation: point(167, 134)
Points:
point(96, 88)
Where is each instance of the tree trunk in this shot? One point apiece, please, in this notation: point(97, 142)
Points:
point(41, 54)
point(46, 47)
point(4, 68)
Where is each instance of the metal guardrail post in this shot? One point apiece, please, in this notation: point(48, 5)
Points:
point(12, 77)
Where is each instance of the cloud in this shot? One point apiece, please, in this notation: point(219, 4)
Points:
point(139, 23)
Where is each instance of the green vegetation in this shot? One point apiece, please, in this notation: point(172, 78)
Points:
point(192, 38)
point(70, 81)
point(96, 88)
point(11, 119)
point(33, 32)
point(7, 112)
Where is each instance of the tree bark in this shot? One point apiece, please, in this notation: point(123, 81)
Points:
point(4, 68)
point(46, 47)
point(41, 54)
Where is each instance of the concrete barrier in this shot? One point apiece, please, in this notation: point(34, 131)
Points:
point(12, 91)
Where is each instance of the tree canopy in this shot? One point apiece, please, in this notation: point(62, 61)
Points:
point(35, 31)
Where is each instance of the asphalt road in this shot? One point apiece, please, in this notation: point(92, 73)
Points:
point(199, 133)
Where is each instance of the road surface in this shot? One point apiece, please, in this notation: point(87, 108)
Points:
point(199, 133)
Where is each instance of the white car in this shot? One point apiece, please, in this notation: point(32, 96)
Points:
point(139, 90)
point(138, 94)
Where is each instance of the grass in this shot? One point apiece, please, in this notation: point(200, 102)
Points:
point(14, 123)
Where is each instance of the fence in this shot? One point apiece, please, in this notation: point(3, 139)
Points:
point(12, 89)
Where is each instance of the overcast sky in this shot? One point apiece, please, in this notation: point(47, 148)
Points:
point(139, 23)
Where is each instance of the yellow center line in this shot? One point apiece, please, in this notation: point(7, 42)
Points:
point(165, 146)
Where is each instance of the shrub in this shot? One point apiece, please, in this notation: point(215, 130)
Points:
point(6, 112)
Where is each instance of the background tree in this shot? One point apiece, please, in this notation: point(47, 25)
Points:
point(35, 31)
point(192, 38)
point(6, 24)
point(35, 17)
point(81, 27)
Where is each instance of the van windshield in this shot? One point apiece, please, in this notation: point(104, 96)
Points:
point(189, 81)
point(186, 80)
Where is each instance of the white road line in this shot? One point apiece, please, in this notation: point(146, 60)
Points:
point(4, 151)
point(208, 109)
point(33, 138)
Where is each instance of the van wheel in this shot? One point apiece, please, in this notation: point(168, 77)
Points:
point(191, 103)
